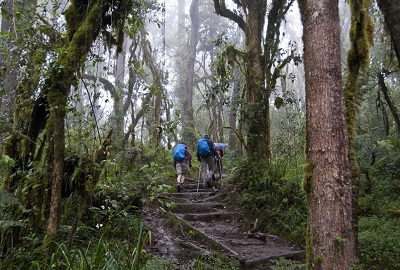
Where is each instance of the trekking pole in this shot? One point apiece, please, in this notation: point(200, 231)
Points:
point(198, 179)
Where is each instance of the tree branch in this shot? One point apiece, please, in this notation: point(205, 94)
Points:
point(238, 135)
point(220, 9)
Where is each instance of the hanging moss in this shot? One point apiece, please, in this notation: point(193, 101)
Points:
point(9, 149)
point(231, 53)
point(74, 15)
point(308, 175)
point(361, 35)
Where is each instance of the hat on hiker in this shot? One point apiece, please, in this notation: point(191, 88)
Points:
point(206, 136)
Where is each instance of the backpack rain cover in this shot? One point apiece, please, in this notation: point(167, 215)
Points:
point(203, 148)
point(179, 152)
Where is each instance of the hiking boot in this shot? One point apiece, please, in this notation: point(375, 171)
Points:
point(179, 188)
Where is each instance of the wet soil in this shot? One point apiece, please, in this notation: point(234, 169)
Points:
point(205, 221)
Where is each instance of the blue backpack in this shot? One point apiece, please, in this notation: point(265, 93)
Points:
point(203, 148)
point(179, 152)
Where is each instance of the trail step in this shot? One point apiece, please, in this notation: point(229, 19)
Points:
point(226, 216)
point(197, 207)
point(204, 223)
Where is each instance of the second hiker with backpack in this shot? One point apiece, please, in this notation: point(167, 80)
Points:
point(205, 154)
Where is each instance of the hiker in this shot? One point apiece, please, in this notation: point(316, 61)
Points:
point(205, 154)
point(219, 148)
point(218, 162)
point(182, 163)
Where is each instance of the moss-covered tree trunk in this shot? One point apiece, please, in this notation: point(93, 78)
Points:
point(188, 128)
point(261, 67)
point(256, 113)
point(330, 239)
point(157, 90)
point(233, 141)
point(361, 33)
point(7, 73)
point(38, 144)
point(56, 143)
point(256, 109)
point(390, 11)
point(58, 85)
point(392, 108)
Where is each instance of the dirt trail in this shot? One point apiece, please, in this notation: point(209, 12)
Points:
point(203, 222)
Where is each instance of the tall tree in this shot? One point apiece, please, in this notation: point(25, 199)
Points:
point(388, 100)
point(188, 120)
point(390, 10)
point(330, 239)
point(261, 66)
point(9, 68)
point(237, 85)
point(180, 56)
point(8, 73)
point(257, 110)
point(38, 141)
point(157, 89)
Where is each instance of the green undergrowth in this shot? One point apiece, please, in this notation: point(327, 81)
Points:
point(379, 206)
point(212, 262)
point(285, 264)
point(379, 231)
point(379, 239)
point(272, 193)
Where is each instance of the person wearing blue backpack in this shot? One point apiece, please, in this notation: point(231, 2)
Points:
point(182, 163)
point(205, 154)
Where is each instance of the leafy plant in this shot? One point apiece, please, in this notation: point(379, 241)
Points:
point(140, 248)
point(379, 240)
point(155, 192)
point(12, 221)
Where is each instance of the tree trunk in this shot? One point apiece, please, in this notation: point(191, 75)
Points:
point(390, 10)
point(261, 67)
point(58, 86)
point(234, 111)
point(188, 119)
point(56, 130)
point(155, 129)
point(256, 114)
point(8, 72)
point(42, 142)
point(132, 85)
point(388, 100)
point(330, 240)
point(119, 113)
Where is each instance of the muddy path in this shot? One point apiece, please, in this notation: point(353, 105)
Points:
point(203, 222)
